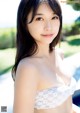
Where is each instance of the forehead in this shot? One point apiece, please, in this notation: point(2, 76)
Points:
point(44, 8)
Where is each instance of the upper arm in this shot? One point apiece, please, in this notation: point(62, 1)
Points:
point(26, 83)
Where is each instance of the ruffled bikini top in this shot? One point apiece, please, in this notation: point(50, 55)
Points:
point(54, 96)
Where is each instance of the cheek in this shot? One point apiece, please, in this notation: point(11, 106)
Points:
point(34, 28)
point(57, 25)
point(31, 31)
point(31, 28)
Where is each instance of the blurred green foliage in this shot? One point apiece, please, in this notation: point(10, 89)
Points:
point(72, 29)
point(7, 38)
point(7, 58)
point(75, 4)
point(7, 44)
point(71, 45)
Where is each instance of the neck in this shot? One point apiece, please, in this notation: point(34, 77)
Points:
point(43, 51)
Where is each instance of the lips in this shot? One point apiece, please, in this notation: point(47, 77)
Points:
point(47, 35)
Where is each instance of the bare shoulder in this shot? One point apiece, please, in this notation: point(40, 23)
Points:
point(26, 73)
point(25, 87)
point(60, 52)
point(26, 69)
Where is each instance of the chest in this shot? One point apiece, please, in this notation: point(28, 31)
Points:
point(48, 74)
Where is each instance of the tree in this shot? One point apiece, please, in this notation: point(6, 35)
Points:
point(75, 4)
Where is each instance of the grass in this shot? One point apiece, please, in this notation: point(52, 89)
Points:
point(7, 56)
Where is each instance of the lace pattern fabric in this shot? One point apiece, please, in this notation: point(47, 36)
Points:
point(55, 96)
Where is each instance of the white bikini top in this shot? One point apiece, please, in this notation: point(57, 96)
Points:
point(54, 96)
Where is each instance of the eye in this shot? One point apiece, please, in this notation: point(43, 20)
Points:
point(55, 17)
point(39, 19)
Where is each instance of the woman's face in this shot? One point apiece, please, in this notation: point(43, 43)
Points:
point(45, 25)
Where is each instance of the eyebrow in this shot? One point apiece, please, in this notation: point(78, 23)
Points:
point(40, 14)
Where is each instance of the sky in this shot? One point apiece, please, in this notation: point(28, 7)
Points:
point(8, 13)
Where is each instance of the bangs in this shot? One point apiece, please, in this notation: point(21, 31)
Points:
point(54, 4)
point(34, 6)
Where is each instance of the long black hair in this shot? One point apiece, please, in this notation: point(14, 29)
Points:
point(26, 45)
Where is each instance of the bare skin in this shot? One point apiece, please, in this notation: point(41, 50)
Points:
point(32, 75)
point(39, 71)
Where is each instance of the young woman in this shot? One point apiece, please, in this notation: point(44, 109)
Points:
point(41, 82)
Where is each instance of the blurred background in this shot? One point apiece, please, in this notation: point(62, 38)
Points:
point(70, 38)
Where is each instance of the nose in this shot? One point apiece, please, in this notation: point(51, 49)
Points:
point(47, 26)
